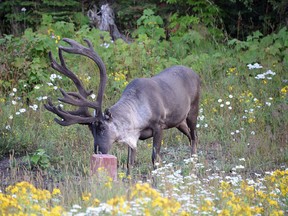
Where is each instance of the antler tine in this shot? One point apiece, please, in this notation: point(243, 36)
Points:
point(89, 52)
point(65, 71)
point(68, 118)
point(77, 100)
point(89, 43)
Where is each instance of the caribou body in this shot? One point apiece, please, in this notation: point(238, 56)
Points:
point(146, 108)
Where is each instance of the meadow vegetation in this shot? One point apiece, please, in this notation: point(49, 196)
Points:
point(241, 167)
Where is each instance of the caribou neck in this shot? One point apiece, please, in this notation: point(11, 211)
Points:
point(125, 122)
point(121, 114)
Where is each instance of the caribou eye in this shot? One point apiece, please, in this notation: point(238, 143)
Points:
point(100, 126)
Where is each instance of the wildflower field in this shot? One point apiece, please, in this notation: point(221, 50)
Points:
point(175, 194)
point(241, 164)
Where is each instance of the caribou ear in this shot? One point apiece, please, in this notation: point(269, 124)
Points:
point(107, 115)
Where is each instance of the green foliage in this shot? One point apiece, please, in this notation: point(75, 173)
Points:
point(197, 14)
point(27, 64)
point(150, 25)
point(181, 24)
point(234, 17)
point(39, 159)
point(128, 12)
point(258, 47)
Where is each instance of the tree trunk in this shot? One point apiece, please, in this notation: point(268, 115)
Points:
point(104, 20)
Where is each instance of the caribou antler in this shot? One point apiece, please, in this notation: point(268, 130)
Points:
point(77, 48)
point(82, 115)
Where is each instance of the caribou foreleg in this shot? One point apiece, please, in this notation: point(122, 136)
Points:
point(130, 159)
point(157, 138)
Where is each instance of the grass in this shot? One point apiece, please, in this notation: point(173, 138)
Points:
point(242, 132)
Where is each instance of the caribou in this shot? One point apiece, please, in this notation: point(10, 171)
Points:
point(147, 106)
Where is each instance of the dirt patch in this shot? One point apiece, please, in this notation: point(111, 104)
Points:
point(4, 166)
point(13, 170)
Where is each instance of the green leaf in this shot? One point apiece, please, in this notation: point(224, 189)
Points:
point(35, 158)
point(257, 34)
point(232, 42)
point(148, 12)
point(40, 152)
point(273, 50)
point(19, 62)
point(2, 41)
point(266, 41)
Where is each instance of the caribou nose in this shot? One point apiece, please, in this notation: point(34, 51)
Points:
point(102, 150)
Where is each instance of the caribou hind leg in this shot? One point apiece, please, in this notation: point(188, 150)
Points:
point(183, 127)
point(187, 129)
point(191, 122)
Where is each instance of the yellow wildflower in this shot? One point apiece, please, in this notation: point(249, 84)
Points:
point(100, 169)
point(224, 212)
point(36, 207)
point(108, 184)
point(207, 206)
point(272, 202)
point(184, 213)
point(284, 188)
point(261, 194)
point(56, 191)
point(49, 31)
point(115, 201)
point(232, 69)
point(284, 90)
point(147, 212)
point(57, 211)
point(277, 213)
point(121, 175)
point(250, 94)
point(225, 185)
point(86, 196)
point(96, 202)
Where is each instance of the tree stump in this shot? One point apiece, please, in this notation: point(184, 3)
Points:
point(104, 162)
point(103, 19)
